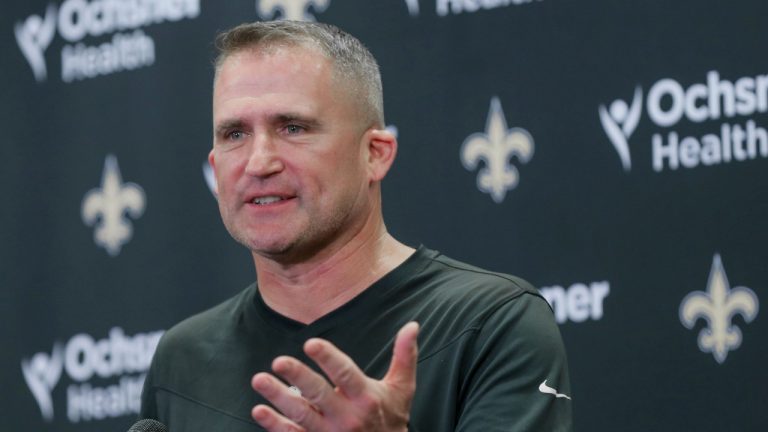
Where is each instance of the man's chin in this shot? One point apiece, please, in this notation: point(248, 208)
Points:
point(285, 253)
point(261, 242)
point(273, 249)
point(268, 249)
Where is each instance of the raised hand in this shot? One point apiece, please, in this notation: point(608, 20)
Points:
point(351, 401)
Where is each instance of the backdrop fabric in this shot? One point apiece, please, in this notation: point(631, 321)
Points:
point(614, 154)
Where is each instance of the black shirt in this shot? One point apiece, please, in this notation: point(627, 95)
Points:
point(487, 344)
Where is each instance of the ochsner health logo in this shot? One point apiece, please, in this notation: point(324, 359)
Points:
point(669, 105)
point(456, 7)
point(619, 122)
point(128, 49)
point(118, 357)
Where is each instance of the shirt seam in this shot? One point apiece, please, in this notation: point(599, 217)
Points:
point(483, 272)
point(477, 327)
point(197, 402)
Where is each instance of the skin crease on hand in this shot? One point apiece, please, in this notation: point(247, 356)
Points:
point(285, 128)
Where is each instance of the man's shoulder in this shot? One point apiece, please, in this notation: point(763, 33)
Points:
point(491, 278)
point(456, 279)
point(202, 329)
point(469, 294)
point(197, 359)
point(474, 310)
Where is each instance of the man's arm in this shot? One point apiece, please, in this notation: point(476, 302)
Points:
point(519, 374)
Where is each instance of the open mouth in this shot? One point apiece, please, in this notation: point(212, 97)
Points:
point(264, 200)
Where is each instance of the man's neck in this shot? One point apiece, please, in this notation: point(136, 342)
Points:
point(307, 291)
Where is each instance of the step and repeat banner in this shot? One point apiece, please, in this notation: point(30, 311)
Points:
point(615, 154)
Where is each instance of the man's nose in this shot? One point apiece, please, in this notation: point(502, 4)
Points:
point(264, 159)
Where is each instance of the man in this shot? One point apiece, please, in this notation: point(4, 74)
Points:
point(326, 339)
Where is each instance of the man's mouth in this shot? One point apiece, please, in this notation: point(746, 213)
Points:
point(267, 200)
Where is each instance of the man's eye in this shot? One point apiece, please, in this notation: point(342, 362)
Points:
point(293, 129)
point(235, 135)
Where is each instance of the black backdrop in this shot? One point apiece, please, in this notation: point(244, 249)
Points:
point(636, 129)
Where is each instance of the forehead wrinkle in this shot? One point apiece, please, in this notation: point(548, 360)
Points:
point(290, 50)
point(237, 85)
point(270, 54)
point(235, 78)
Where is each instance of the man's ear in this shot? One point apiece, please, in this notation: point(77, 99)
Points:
point(382, 149)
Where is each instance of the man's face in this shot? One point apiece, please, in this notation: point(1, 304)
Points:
point(288, 154)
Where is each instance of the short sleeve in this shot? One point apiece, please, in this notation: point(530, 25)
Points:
point(517, 378)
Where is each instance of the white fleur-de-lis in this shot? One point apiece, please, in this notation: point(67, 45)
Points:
point(413, 7)
point(496, 146)
point(296, 10)
point(109, 205)
point(210, 178)
point(717, 306)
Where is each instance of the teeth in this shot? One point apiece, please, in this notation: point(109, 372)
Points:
point(266, 200)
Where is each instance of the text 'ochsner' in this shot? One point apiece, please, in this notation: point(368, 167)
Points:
point(119, 358)
point(703, 102)
point(128, 47)
point(668, 103)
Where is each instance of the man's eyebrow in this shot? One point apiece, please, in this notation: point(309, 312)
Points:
point(277, 119)
point(289, 117)
point(226, 125)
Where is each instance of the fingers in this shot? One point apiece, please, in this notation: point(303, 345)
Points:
point(296, 410)
point(272, 421)
point(314, 387)
point(339, 368)
point(320, 406)
point(402, 370)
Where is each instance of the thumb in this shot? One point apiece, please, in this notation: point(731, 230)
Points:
point(402, 370)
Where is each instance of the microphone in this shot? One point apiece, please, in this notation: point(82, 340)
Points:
point(148, 425)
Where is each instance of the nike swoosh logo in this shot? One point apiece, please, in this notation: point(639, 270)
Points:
point(544, 388)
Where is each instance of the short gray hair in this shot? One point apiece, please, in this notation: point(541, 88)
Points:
point(352, 61)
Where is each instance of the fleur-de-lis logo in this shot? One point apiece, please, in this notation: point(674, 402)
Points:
point(210, 178)
point(296, 10)
point(413, 7)
point(717, 306)
point(619, 122)
point(495, 147)
point(109, 205)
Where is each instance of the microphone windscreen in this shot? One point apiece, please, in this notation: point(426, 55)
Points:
point(148, 425)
